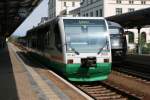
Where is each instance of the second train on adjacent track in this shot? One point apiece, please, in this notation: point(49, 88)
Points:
point(78, 47)
point(118, 42)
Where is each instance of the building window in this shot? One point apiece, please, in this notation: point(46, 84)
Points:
point(87, 14)
point(118, 1)
point(100, 12)
point(91, 1)
point(73, 4)
point(118, 11)
point(91, 14)
point(65, 4)
point(82, 2)
point(131, 1)
point(130, 9)
point(57, 38)
point(88, 2)
point(78, 14)
point(96, 13)
point(143, 2)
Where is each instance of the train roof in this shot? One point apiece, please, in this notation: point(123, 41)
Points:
point(82, 17)
point(59, 17)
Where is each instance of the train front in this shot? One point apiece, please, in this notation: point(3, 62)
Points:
point(118, 44)
point(88, 52)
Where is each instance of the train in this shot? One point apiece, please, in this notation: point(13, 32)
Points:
point(118, 42)
point(77, 47)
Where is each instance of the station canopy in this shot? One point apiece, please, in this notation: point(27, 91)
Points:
point(13, 13)
point(136, 19)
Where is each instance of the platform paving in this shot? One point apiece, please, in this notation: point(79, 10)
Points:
point(14, 84)
point(19, 81)
point(8, 89)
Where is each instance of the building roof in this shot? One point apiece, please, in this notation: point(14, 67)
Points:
point(76, 10)
point(139, 18)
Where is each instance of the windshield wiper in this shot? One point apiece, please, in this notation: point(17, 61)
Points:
point(75, 51)
point(100, 50)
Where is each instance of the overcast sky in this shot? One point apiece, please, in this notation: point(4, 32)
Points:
point(33, 19)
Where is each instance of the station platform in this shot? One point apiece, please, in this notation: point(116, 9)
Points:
point(8, 88)
point(14, 84)
point(21, 82)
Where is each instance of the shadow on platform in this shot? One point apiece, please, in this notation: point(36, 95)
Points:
point(8, 90)
point(35, 63)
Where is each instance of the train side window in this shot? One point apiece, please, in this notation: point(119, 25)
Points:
point(57, 38)
point(51, 37)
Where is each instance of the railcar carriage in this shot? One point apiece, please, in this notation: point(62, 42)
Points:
point(118, 42)
point(78, 47)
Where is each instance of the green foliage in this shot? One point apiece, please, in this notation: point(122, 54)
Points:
point(143, 39)
point(131, 37)
point(148, 45)
point(146, 48)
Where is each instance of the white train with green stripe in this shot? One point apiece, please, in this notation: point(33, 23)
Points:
point(78, 47)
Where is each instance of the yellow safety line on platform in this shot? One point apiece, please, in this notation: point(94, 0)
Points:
point(39, 81)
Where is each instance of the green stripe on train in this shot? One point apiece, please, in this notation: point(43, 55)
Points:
point(74, 72)
point(77, 73)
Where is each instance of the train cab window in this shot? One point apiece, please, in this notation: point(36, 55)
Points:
point(57, 38)
point(46, 38)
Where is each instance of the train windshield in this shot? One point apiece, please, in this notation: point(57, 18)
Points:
point(116, 37)
point(85, 35)
point(115, 30)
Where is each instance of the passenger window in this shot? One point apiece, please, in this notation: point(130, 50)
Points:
point(57, 38)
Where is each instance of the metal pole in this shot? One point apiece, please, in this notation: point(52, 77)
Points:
point(139, 40)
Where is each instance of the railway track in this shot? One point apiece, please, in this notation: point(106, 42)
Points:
point(99, 90)
point(132, 72)
point(105, 91)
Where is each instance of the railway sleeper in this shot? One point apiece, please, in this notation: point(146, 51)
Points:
point(96, 89)
point(109, 97)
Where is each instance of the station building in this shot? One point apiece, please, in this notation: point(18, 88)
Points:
point(61, 7)
point(106, 8)
point(75, 12)
point(43, 20)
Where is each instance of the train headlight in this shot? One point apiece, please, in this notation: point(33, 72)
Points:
point(70, 61)
point(70, 49)
point(115, 43)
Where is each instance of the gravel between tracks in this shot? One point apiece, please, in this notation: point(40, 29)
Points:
point(130, 84)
